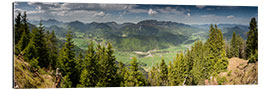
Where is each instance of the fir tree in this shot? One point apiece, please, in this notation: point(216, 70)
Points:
point(252, 40)
point(67, 60)
point(163, 73)
point(135, 77)
point(90, 73)
point(18, 28)
point(234, 50)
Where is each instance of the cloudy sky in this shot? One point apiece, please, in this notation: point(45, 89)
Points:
point(120, 13)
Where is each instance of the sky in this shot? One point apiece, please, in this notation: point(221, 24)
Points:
point(121, 13)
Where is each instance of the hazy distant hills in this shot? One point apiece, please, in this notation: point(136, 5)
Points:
point(142, 36)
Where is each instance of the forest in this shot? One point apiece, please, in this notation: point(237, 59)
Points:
point(98, 67)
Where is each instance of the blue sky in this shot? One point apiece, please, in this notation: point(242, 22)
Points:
point(120, 13)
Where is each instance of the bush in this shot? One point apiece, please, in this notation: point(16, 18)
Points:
point(222, 80)
point(253, 58)
point(34, 64)
point(229, 73)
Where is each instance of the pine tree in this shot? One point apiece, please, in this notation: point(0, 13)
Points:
point(215, 46)
point(163, 73)
point(52, 49)
point(90, 73)
point(41, 45)
point(108, 66)
point(18, 28)
point(134, 77)
point(25, 27)
point(67, 60)
point(170, 74)
point(21, 45)
point(252, 40)
point(122, 72)
point(153, 77)
point(22, 32)
point(234, 50)
point(242, 46)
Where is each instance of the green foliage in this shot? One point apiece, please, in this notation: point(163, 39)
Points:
point(163, 73)
point(22, 33)
point(17, 28)
point(134, 77)
point(234, 46)
point(221, 80)
point(216, 51)
point(229, 73)
point(253, 58)
point(52, 45)
point(252, 40)
point(66, 83)
point(90, 73)
point(108, 68)
point(34, 63)
point(67, 60)
point(122, 72)
point(22, 44)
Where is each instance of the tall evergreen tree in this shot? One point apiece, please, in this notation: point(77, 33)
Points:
point(108, 66)
point(90, 73)
point(53, 49)
point(234, 50)
point(25, 27)
point(163, 73)
point(122, 73)
point(252, 40)
point(67, 61)
point(21, 45)
point(41, 44)
point(135, 77)
point(18, 28)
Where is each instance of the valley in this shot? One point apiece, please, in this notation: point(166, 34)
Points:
point(154, 39)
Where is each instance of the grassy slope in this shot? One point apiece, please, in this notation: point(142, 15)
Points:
point(24, 78)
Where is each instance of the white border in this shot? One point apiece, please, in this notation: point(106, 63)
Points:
point(263, 24)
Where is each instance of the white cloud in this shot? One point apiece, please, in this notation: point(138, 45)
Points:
point(137, 11)
point(208, 15)
point(200, 6)
point(151, 12)
point(230, 17)
point(169, 10)
point(101, 13)
point(188, 14)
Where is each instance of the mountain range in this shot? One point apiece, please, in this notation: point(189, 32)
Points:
point(142, 36)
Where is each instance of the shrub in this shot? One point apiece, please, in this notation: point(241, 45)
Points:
point(222, 80)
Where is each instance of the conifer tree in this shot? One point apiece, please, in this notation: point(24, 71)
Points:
point(18, 28)
point(153, 77)
point(21, 45)
point(163, 73)
point(90, 73)
point(252, 40)
point(122, 73)
point(67, 61)
point(135, 77)
point(108, 66)
point(22, 33)
point(52, 49)
point(242, 46)
point(25, 27)
point(234, 50)
point(170, 74)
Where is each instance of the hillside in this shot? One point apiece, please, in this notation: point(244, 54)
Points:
point(24, 77)
point(239, 72)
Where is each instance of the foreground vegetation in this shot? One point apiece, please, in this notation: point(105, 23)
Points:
point(98, 67)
